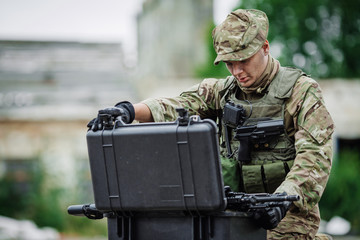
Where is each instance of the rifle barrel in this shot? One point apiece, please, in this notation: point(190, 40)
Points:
point(290, 198)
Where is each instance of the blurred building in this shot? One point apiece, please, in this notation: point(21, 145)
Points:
point(342, 97)
point(48, 93)
point(68, 75)
point(172, 37)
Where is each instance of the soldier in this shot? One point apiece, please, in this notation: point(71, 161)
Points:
point(299, 162)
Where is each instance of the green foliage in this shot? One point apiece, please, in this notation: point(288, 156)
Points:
point(208, 69)
point(321, 37)
point(25, 194)
point(82, 226)
point(342, 194)
point(24, 197)
point(11, 200)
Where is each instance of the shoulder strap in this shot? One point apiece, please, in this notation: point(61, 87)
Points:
point(284, 81)
point(229, 85)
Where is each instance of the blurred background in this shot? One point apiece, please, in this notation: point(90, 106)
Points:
point(62, 60)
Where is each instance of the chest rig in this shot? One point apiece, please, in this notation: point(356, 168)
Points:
point(270, 160)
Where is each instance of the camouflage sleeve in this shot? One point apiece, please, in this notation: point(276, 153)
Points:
point(201, 99)
point(313, 143)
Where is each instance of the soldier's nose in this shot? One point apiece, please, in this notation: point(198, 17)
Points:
point(237, 69)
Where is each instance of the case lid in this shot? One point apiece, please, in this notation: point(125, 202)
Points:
point(157, 166)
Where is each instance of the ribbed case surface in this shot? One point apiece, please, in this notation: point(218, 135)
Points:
point(157, 166)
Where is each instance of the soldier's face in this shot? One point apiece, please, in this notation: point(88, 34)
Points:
point(248, 71)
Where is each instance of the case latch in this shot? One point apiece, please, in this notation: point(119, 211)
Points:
point(183, 116)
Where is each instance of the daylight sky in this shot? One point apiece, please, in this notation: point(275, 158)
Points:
point(80, 20)
point(98, 20)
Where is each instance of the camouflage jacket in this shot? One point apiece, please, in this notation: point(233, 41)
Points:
point(307, 121)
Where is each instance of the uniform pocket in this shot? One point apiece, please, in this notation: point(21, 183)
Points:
point(274, 174)
point(252, 179)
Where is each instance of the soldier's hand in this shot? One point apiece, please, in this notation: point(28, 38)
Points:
point(91, 123)
point(128, 109)
point(270, 217)
point(124, 109)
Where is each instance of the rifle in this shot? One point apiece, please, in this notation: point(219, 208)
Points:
point(237, 201)
point(256, 133)
point(244, 202)
point(88, 210)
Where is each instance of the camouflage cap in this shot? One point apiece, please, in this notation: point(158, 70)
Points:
point(240, 35)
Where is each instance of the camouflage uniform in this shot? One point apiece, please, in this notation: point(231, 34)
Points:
point(306, 120)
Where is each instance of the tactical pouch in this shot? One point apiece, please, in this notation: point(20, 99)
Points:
point(230, 172)
point(252, 178)
point(274, 175)
point(265, 178)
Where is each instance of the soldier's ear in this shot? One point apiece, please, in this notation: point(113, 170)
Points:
point(266, 47)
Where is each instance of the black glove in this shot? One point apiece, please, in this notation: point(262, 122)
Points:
point(270, 217)
point(124, 109)
point(129, 111)
point(91, 124)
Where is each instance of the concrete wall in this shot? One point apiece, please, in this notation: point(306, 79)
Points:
point(342, 98)
point(48, 93)
point(171, 37)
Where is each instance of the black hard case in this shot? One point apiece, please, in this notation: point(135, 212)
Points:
point(214, 226)
point(157, 166)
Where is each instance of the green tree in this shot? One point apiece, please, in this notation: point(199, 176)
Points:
point(321, 37)
point(342, 192)
point(25, 194)
point(208, 69)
